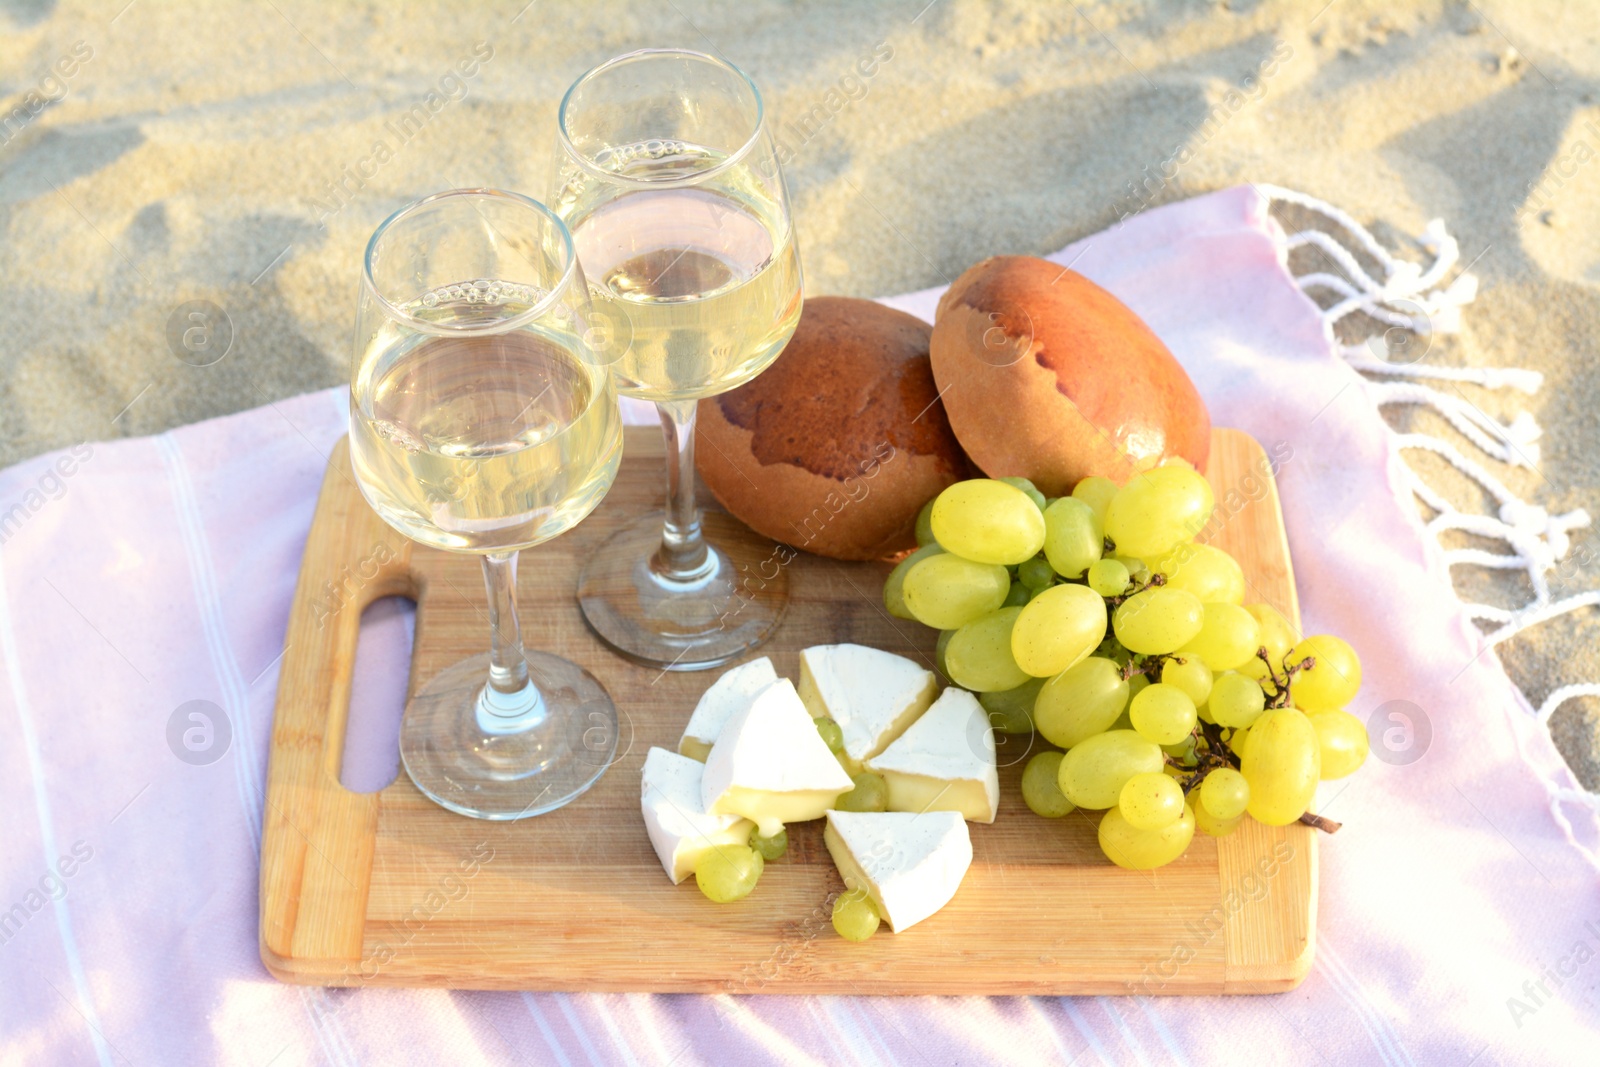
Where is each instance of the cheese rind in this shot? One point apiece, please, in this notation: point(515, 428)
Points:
point(873, 695)
point(770, 765)
point(726, 697)
point(909, 864)
point(678, 825)
point(945, 761)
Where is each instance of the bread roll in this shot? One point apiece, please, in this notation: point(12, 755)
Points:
point(838, 444)
point(1047, 376)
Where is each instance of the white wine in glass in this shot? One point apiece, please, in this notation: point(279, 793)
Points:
point(673, 193)
point(482, 422)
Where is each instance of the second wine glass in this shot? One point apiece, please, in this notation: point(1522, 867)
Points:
point(672, 189)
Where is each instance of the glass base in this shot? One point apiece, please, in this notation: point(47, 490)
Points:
point(734, 604)
point(507, 758)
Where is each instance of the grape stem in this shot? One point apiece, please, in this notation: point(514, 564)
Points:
point(1158, 578)
point(1218, 755)
point(1327, 826)
point(1280, 697)
point(1145, 665)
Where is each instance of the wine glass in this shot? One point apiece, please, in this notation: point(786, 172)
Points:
point(670, 184)
point(481, 421)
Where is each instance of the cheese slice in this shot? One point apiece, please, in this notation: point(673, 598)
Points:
point(678, 825)
point(910, 865)
point(729, 694)
point(873, 695)
point(770, 765)
point(945, 761)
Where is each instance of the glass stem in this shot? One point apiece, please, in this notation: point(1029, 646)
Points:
point(510, 702)
point(683, 555)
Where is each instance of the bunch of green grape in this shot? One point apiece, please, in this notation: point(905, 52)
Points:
point(1097, 621)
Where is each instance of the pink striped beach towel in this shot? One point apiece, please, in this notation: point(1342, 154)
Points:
point(1459, 918)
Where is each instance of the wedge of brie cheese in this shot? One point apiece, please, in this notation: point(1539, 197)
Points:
point(873, 695)
point(770, 765)
point(910, 865)
point(728, 695)
point(679, 827)
point(945, 761)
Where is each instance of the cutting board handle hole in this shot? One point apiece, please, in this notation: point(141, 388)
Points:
point(371, 757)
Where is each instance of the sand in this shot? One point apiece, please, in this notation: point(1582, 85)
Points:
point(229, 153)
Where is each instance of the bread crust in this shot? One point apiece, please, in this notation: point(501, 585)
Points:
point(1047, 376)
point(837, 445)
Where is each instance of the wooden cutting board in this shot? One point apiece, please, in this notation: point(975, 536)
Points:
point(386, 889)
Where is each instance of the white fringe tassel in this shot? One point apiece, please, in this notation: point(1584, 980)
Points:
point(1410, 297)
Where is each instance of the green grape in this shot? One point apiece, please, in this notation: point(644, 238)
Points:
point(1036, 573)
point(1184, 751)
point(1212, 826)
point(1058, 628)
point(1138, 569)
point(1136, 686)
point(987, 522)
point(894, 586)
point(1240, 742)
point(1094, 771)
point(1158, 509)
point(1157, 621)
point(1108, 577)
point(728, 872)
point(925, 525)
point(1342, 741)
point(1011, 710)
point(1282, 764)
point(1228, 637)
point(1213, 576)
point(1203, 712)
point(946, 590)
point(939, 648)
point(770, 847)
point(979, 658)
point(1081, 702)
point(1029, 490)
point(1097, 493)
point(831, 734)
point(1277, 637)
point(1112, 649)
point(868, 792)
point(1073, 537)
point(1151, 801)
point(1224, 793)
point(1235, 700)
point(1189, 673)
point(1041, 786)
point(855, 916)
point(1018, 596)
point(1333, 681)
point(1163, 713)
point(1141, 850)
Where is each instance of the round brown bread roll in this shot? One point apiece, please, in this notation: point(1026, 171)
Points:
point(1047, 376)
point(837, 445)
